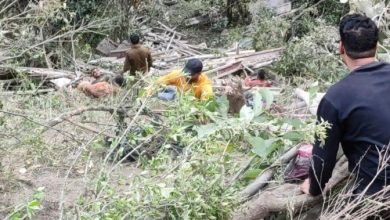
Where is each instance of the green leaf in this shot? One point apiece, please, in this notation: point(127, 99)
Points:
point(251, 174)
point(262, 147)
point(166, 192)
point(268, 96)
point(296, 123)
point(29, 213)
point(247, 114)
point(206, 130)
point(223, 105)
point(293, 136)
point(230, 148)
point(261, 119)
point(34, 204)
point(257, 104)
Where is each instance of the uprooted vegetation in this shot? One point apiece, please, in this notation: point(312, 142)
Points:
point(131, 156)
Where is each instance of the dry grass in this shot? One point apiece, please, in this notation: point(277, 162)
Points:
point(347, 205)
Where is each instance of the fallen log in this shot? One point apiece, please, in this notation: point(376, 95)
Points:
point(29, 92)
point(42, 73)
point(36, 73)
point(288, 197)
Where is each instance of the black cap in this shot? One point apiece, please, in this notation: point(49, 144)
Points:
point(193, 66)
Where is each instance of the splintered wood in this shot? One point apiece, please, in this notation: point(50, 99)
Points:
point(170, 50)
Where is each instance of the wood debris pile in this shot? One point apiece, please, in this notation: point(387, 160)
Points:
point(170, 50)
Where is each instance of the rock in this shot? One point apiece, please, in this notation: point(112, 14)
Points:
point(105, 46)
point(61, 82)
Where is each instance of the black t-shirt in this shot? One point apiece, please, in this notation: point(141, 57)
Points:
point(358, 108)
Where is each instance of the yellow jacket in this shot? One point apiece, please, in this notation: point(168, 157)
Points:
point(202, 89)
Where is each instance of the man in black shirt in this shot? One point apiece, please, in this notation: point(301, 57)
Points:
point(358, 108)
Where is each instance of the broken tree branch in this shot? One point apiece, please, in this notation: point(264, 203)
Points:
point(80, 111)
point(267, 175)
point(88, 128)
point(288, 196)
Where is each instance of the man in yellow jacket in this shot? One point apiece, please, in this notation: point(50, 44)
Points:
point(191, 79)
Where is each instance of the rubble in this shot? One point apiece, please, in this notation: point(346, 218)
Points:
point(169, 50)
point(105, 46)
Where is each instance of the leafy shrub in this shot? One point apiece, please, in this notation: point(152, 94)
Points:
point(331, 11)
point(313, 56)
point(267, 31)
point(180, 194)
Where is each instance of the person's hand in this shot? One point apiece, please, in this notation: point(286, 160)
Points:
point(305, 186)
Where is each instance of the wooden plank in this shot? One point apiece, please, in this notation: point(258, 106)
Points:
point(226, 69)
point(241, 52)
point(270, 51)
point(118, 53)
point(260, 57)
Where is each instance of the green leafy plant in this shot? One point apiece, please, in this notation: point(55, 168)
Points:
point(29, 209)
point(320, 47)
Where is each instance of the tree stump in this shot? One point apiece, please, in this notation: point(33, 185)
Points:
point(236, 98)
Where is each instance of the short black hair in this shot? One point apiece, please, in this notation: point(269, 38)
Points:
point(193, 66)
point(134, 38)
point(261, 74)
point(119, 80)
point(359, 35)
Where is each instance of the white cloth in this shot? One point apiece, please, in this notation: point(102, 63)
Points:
point(313, 104)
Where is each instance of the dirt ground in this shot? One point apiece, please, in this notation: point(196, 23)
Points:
point(31, 159)
point(53, 180)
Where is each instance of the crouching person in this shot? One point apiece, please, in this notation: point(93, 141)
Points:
point(189, 79)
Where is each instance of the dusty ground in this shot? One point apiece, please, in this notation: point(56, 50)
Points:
point(31, 159)
point(55, 183)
